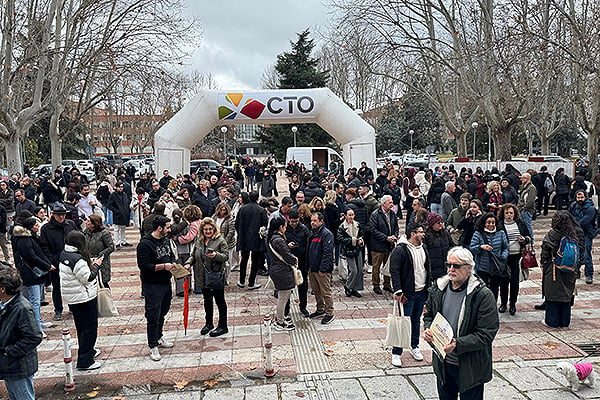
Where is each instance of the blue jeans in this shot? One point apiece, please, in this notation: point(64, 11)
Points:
point(527, 217)
point(436, 208)
point(34, 293)
point(20, 389)
point(587, 257)
point(414, 308)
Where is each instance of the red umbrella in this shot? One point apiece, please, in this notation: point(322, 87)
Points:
point(186, 303)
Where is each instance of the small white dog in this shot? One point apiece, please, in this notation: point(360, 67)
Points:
point(577, 374)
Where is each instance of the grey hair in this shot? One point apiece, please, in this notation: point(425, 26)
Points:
point(463, 255)
point(449, 183)
point(204, 181)
point(385, 198)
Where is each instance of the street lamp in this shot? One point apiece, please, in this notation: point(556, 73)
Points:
point(224, 130)
point(411, 132)
point(474, 125)
point(294, 131)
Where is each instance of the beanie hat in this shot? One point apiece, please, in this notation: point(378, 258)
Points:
point(433, 219)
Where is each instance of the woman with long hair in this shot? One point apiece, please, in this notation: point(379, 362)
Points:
point(209, 257)
point(193, 216)
point(562, 186)
point(281, 270)
point(305, 214)
point(79, 289)
point(518, 236)
point(100, 244)
point(490, 246)
point(226, 224)
point(467, 224)
point(492, 199)
point(350, 237)
point(316, 205)
point(557, 286)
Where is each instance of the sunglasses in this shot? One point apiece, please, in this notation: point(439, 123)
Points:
point(455, 266)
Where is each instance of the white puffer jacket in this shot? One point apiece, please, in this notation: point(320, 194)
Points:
point(75, 286)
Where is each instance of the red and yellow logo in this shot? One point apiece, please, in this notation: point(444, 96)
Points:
point(251, 108)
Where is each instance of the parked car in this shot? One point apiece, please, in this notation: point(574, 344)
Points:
point(139, 165)
point(198, 166)
point(113, 159)
point(42, 170)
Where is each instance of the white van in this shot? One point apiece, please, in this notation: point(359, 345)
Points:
point(306, 155)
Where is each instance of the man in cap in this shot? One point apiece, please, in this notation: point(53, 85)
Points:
point(52, 240)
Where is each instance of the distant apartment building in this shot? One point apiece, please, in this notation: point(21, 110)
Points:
point(246, 141)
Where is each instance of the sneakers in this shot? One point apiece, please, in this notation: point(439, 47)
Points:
point(388, 289)
point(316, 314)
point(305, 312)
point(154, 354)
point(284, 326)
point(241, 285)
point(46, 325)
point(327, 319)
point(95, 365)
point(589, 280)
point(288, 319)
point(127, 244)
point(44, 335)
point(416, 353)
point(162, 342)
point(97, 353)
point(58, 316)
point(396, 360)
point(255, 286)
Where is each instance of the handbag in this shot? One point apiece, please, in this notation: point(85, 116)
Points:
point(298, 278)
point(528, 259)
point(498, 266)
point(398, 328)
point(106, 305)
point(214, 279)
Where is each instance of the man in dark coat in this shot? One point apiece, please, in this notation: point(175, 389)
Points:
point(19, 337)
point(52, 240)
point(319, 256)
point(251, 219)
point(384, 234)
point(203, 198)
point(23, 203)
point(118, 203)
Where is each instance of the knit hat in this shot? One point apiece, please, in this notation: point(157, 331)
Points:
point(433, 218)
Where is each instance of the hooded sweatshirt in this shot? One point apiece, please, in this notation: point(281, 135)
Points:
point(418, 255)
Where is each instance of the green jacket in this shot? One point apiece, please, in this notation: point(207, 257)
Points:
point(200, 261)
point(478, 324)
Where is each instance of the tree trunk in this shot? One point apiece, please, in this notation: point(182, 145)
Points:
point(544, 143)
point(55, 141)
point(14, 158)
point(593, 149)
point(461, 143)
point(502, 143)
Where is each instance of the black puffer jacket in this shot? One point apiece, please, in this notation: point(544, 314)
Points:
point(438, 243)
point(361, 215)
point(280, 271)
point(478, 325)
point(52, 238)
point(19, 338)
point(28, 254)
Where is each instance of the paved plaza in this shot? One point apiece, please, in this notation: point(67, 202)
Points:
point(346, 359)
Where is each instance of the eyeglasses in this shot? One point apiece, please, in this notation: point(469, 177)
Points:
point(455, 266)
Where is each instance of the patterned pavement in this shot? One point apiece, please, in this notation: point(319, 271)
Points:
point(352, 343)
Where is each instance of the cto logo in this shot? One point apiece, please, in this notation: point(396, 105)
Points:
point(303, 104)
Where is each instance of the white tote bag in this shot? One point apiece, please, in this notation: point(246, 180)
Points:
point(398, 328)
point(106, 305)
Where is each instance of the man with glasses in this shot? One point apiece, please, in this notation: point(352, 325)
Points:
point(410, 271)
point(462, 297)
point(23, 203)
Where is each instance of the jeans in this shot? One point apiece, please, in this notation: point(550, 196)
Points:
point(527, 217)
point(448, 390)
point(34, 294)
point(119, 234)
point(157, 298)
point(436, 208)
point(587, 257)
point(85, 316)
point(20, 389)
point(414, 308)
point(219, 296)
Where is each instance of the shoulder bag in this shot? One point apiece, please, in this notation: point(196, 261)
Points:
point(106, 305)
point(298, 278)
point(398, 328)
point(498, 266)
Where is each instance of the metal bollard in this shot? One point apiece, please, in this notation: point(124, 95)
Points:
point(269, 371)
point(69, 383)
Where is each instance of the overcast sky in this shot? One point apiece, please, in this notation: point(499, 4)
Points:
point(241, 38)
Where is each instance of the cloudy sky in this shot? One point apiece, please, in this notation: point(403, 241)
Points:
point(241, 37)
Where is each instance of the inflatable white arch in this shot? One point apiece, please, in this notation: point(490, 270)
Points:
point(174, 140)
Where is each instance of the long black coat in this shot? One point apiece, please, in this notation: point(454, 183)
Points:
point(28, 254)
point(247, 224)
point(118, 203)
point(52, 238)
point(19, 338)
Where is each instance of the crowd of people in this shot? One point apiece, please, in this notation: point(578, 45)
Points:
point(464, 235)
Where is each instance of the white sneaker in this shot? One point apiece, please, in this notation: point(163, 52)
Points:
point(396, 360)
point(95, 365)
point(44, 335)
point(162, 342)
point(46, 325)
point(416, 353)
point(154, 354)
point(369, 268)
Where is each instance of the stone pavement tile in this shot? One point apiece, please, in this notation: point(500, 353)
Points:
point(525, 379)
point(368, 373)
point(347, 362)
point(263, 392)
point(247, 356)
point(348, 389)
point(180, 396)
point(425, 384)
point(216, 357)
point(294, 391)
point(551, 394)
point(499, 388)
point(224, 394)
point(382, 388)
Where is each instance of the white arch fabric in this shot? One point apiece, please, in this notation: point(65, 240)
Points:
point(174, 140)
